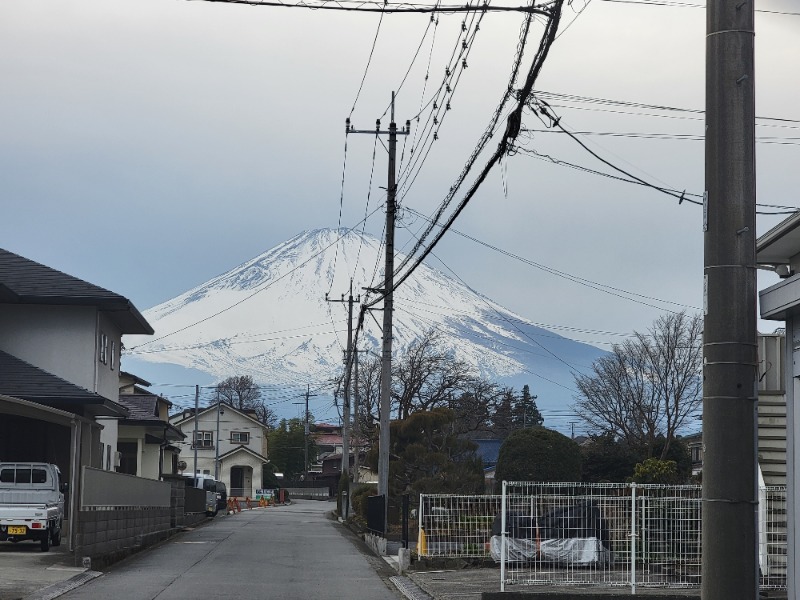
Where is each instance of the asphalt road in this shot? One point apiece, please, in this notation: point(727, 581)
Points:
point(281, 552)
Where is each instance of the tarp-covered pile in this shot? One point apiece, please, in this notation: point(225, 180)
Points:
point(574, 535)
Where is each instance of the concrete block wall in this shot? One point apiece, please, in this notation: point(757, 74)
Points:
point(109, 535)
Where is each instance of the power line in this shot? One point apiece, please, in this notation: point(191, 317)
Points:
point(511, 132)
point(614, 291)
point(673, 4)
point(387, 8)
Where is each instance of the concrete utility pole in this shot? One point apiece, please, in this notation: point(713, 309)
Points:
point(216, 440)
point(730, 353)
point(196, 404)
point(388, 282)
point(306, 433)
point(356, 422)
point(347, 379)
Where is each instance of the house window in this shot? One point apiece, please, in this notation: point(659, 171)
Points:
point(113, 353)
point(204, 439)
point(240, 437)
point(103, 351)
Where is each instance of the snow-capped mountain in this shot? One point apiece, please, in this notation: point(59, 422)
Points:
point(269, 318)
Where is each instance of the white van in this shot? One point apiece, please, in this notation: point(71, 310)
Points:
point(209, 484)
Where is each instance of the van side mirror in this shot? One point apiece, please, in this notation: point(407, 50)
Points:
point(64, 487)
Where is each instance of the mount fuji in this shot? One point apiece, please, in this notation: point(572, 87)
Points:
point(269, 318)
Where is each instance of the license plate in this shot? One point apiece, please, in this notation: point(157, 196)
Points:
point(17, 530)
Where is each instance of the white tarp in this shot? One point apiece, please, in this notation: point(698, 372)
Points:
point(566, 551)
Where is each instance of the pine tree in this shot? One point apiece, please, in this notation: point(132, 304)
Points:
point(526, 413)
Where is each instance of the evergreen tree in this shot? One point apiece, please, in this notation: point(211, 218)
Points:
point(503, 417)
point(287, 448)
point(526, 413)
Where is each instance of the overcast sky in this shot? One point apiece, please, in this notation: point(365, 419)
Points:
point(149, 145)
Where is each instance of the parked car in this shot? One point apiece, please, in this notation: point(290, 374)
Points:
point(222, 496)
point(209, 485)
point(31, 503)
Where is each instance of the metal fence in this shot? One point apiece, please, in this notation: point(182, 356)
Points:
point(456, 526)
point(620, 535)
point(592, 534)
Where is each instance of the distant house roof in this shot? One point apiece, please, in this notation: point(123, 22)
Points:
point(245, 450)
point(488, 450)
point(187, 414)
point(133, 379)
point(20, 379)
point(23, 281)
point(143, 411)
point(327, 439)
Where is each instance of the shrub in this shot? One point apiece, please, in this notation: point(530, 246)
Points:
point(538, 454)
point(654, 470)
point(359, 498)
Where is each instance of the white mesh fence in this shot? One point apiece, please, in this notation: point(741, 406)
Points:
point(456, 526)
point(772, 559)
point(592, 534)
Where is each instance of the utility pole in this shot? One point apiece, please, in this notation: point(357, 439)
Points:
point(388, 282)
point(730, 356)
point(356, 421)
point(346, 407)
point(216, 441)
point(306, 431)
point(196, 404)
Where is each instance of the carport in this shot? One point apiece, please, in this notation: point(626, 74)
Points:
point(33, 432)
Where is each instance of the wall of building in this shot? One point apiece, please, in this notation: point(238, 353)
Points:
point(64, 341)
point(58, 339)
point(109, 436)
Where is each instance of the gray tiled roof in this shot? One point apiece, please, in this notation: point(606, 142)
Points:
point(20, 379)
point(141, 406)
point(143, 409)
point(23, 281)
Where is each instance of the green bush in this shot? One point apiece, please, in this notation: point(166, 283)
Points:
point(359, 498)
point(538, 454)
point(654, 470)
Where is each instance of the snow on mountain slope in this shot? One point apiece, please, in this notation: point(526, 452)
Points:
point(269, 318)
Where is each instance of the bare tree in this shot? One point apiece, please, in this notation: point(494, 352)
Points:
point(647, 387)
point(241, 392)
point(427, 376)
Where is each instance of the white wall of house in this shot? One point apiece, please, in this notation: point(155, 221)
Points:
point(64, 341)
point(235, 430)
point(252, 470)
point(108, 438)
point(148, 455)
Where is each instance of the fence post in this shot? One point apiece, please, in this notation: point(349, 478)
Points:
point(633, 538)
point(503, 541)
point(422, 543)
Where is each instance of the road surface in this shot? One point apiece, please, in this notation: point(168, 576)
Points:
point(282, 552)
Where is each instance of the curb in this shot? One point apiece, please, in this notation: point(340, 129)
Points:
point(62, 587)
point(409, 589)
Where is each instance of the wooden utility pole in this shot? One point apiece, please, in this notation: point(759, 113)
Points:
point(730, 354)
point(388, 285)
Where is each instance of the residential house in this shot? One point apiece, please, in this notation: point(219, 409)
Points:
point(229, 443)
point(771, 413)
point(779, 250)
point(147, 444)
point(488, 450)
point(60, 342)
point(329, 441)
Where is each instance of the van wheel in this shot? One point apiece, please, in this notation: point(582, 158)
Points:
point(56, 541)
point(45, 541)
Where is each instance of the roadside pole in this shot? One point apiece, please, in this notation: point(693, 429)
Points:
point(730, 353)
